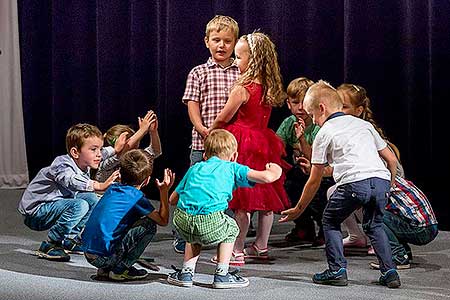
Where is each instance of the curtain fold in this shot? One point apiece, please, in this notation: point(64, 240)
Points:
point(13, 160)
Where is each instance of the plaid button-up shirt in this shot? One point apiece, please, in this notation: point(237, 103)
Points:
point(209, 84)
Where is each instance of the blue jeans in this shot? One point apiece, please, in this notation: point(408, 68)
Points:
point(196, 156)
point(372, 195)
point(400, 232)
point(127, 250)
point(65, 217)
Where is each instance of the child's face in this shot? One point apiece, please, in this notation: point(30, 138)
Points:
point(89, 155)
point(242, 55)
point(221, 45)
point(348, 108)
point(296, 107)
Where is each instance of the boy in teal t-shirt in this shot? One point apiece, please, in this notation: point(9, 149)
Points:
point(202, 196)
point(298, 132)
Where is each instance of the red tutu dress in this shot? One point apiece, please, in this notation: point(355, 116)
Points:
point(257, 146)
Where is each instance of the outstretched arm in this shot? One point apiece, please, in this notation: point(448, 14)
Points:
point(154, 136)
point(270, 174)
point(196, 118)
point(238, 96)
point(161, 217)
point(310, 189)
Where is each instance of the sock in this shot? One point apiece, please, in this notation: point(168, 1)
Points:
point(222, 269)
point(188, 267)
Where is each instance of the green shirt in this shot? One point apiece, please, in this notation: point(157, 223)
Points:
point(286, 132)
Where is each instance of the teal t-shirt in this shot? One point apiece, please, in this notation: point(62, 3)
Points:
point(208, 186)
point(286, 132)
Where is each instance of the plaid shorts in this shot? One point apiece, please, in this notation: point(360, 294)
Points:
point(207, 229)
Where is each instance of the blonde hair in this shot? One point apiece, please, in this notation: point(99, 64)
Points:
point(263, 65)
point(114, 132)
point(358, 97)
point(77, 135)
point(135, 167)
point(323, 92)
point(220, 143)
point(219, 23)
point(297, 88)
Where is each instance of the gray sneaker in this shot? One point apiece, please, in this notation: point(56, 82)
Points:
point(390, 279)
point(180, 279)
point(230, 281)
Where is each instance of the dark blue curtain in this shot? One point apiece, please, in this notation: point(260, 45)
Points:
point(109, 61)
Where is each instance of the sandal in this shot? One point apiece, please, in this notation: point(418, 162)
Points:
point(254, 252)
point(237, 259)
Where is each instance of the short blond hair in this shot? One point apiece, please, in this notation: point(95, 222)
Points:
point(220, 143)
point(297, 88)
point(219, 23)
point(77, 135)
point(322, 92)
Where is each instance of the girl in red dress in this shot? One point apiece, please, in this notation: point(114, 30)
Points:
point(246, 115)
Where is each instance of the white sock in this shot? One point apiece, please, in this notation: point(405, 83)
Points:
point(222, 269)
point(188, 267)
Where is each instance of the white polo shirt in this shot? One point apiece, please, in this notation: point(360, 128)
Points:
point(350, 145)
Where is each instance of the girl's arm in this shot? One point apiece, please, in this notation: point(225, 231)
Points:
point(155, 142)
point(238, 96)
point(144, 124)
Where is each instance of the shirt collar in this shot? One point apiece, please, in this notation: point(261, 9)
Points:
point(210, 63)
point(334, 115)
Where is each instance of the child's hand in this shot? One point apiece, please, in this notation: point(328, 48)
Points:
point(304, 163)
point(275, 169)
point(289, 215)
point(144, 123)
point(299, 128)
point(153, 122)
point(120, 142)
point(168, 180)
point(204, 132)
point(101, 186)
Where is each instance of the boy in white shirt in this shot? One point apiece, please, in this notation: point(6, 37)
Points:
point(352, 147)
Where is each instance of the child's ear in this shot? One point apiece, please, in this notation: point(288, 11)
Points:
point(74, 153)
point(206, 42)
point(234, 156)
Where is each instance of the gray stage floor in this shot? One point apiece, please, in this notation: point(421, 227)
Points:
point(286, 276)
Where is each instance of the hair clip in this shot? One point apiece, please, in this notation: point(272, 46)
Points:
point(356, 88)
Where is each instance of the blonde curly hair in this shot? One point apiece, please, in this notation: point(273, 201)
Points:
point(263, 65)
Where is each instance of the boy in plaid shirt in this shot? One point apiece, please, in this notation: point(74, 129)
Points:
point(208, 86)
point(202, 197)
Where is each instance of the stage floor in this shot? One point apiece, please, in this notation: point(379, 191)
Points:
point(286, 276)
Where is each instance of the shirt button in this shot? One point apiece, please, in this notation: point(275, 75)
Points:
point(225, 89)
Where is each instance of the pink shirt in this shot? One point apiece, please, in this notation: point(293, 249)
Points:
point(209, 84)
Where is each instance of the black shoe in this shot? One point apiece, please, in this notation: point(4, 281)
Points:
point(338, 278)
point(52, 251)
point(72, 246)
point(390, 279)
point(128, 274)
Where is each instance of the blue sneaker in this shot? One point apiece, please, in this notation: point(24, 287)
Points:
point(230, 281)
point(180, 279)
point(127, 274)
point(52, 251)
point(390, 279)
point(338, 278)
point(179, 245)
point(72, 246)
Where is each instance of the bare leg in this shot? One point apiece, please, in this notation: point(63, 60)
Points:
point(265, 222)
point(224, 252)
point(243, 220)
point(191, 254)
point(356, 236)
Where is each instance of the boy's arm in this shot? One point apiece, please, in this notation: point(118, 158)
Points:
point(270, 174)
point(102, 186)
point(161, 217)
point(173, 200)
point(238, 96)
point(310, 189)
point(391, 161)
point(196, 118)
